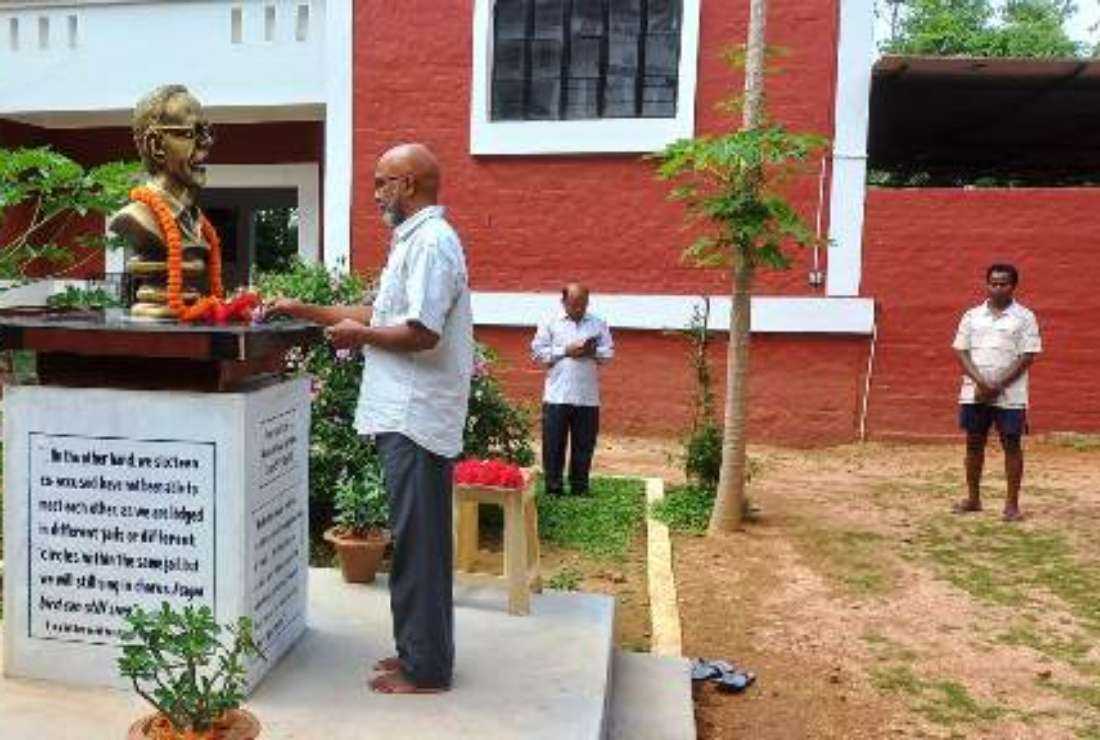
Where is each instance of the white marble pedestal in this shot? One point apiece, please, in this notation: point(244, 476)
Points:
point(117, 498)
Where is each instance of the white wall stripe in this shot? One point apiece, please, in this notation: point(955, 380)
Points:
point(855, 56)
point(770, 314)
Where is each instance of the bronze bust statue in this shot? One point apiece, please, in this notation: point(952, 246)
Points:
point(176, 255)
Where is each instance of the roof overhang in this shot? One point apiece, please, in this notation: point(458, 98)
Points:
point(951, 112)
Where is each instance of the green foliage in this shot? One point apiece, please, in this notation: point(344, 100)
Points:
point(1021, 28)
point(703, 444)
point(337, 452)
point(942, 702)
point(1008, 565)
point(732, 182)
point(276, 239)
point(703, 455)
point(338, 455)
point(51, 190)
point(177, 662)
point(74, 298)
point(566, 579)
point(602, 523)
point(685, 509)
point(361, 502)
point(495, 427)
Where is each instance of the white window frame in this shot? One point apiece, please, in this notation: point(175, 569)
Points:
point(594, 136)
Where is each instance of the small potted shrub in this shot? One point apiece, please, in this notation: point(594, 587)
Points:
point(178, 663)
point(359, 535)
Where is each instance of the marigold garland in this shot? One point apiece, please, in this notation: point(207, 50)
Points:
point(173, 240)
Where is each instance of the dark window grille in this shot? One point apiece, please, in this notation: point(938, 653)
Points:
point(578, 59)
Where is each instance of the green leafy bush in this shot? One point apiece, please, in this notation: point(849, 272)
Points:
point(42, 191)
point(685, 508)
point(361, 502)
point(703, 455)
point(495, 427)
point(74, 298)
point(337, 452)
point(177, 662)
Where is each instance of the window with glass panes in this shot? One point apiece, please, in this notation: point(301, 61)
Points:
point(578, 59)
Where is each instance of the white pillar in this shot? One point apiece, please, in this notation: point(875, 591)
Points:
point(339, 16)
point(855, 56)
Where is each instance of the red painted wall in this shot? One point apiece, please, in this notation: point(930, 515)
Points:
point(803, 390)
point(531, 223)
point(924, 260)
point(238, 143)
point(14, 134)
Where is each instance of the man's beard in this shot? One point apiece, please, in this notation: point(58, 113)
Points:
point(392, 216)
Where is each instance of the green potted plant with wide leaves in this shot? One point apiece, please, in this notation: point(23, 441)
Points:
point(362, 512)
point(178, 662)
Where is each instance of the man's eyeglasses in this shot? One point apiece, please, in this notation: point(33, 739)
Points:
point(201, 131)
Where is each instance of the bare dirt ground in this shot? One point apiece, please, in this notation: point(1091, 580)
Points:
point(867, 610)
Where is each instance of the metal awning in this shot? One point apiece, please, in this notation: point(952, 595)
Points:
point(980, 113)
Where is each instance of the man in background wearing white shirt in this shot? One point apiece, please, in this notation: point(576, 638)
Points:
point(571, 345)
point(996, 343)
point(418, 356)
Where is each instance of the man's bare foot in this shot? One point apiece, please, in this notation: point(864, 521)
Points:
point(1012, 514)
point(396, 683)
point(967, 506)
point(388, 665)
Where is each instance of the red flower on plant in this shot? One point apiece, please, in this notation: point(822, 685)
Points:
point(475, 472)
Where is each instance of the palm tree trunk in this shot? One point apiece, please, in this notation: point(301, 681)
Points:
point(729, 503)
point(754, 65)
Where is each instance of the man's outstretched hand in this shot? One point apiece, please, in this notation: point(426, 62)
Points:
point(283, 307)
point(346, 334)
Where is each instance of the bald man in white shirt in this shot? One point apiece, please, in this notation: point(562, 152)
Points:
point(571, 345)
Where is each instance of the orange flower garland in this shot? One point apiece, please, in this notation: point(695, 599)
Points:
point(173, 240)
point(215, 265)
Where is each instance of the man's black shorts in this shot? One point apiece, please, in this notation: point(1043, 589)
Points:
point(977, 418)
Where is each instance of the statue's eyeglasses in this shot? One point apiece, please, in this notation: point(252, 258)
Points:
point(197, 132)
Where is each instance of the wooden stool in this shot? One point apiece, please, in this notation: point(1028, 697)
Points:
point(521, 537)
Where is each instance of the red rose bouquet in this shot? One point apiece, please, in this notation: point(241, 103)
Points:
point(474, 472)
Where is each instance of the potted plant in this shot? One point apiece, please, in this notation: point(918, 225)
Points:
point(178, 663)
point(359, 535)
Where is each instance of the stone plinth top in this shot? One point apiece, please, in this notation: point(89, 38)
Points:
point(112, 349)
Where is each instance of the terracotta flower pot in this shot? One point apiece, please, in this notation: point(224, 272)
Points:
point(359, 556)
point(237, 724)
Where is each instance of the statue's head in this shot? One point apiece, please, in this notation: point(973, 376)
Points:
point(173, 137)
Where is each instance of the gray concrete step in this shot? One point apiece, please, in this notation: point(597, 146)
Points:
point(651, 698)
point(544, 676)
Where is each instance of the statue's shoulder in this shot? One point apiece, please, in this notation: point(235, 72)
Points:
point(136, 223)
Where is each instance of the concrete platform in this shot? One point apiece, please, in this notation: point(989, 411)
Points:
point(651, 699)
point(542, 676)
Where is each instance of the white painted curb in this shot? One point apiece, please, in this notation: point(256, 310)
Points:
point(664, 611)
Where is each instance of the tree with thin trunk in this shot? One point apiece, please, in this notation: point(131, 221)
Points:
point(42, 194)
point(733, 182)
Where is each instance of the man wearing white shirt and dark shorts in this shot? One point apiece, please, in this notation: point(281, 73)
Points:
point(996, 343)
point(571, 345)
point(418, 352)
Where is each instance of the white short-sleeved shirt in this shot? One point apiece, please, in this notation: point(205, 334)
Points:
point(573, 381)
point(422, 395)
point(996, 340)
